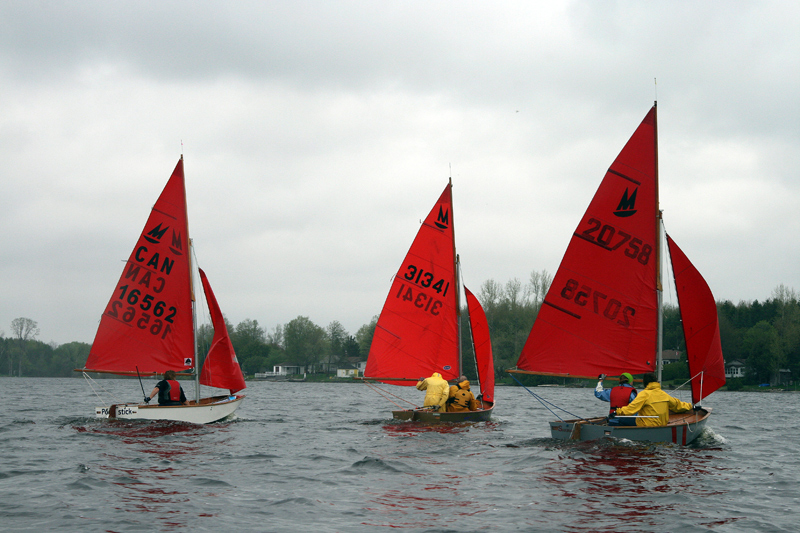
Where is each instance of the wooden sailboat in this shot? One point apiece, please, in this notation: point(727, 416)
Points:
point(602, 313)
point(148, 326)
point(418, 330)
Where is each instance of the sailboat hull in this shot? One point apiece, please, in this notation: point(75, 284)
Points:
point(208, 410)
point(426, 415)
point(682, 429)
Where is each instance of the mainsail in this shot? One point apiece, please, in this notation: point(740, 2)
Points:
point(483, 345)
point(221, 368)
point(148, 324)
point(417, 331)
point(700, 325)
point(600, 314)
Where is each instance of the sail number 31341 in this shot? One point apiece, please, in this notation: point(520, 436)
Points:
point(612, 309)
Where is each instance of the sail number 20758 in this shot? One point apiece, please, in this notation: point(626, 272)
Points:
point(611, 238)
point(584, 295)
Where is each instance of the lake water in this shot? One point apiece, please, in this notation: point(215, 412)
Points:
point(326, 457)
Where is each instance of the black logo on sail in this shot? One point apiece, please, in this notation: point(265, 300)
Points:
point(155, 234)
point(443, 220)
point(627, 204)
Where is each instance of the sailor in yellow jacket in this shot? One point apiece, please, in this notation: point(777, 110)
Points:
point(436, 389)
point(460, 398)
point(652, 401)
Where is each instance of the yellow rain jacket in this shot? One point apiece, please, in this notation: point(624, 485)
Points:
point(436, 391)
point(461, 398)
point(652, 401)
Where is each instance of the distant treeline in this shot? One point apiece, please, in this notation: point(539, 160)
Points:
point(764, 336)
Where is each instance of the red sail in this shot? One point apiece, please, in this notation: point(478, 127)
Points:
point(147, 323)
point(700, 325)
point(483, 346)
point(221, 368)
point(600, 314)
point(417, 332)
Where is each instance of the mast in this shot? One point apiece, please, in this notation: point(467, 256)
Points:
point(456, 264)
point(659, 287)
point(194, 300)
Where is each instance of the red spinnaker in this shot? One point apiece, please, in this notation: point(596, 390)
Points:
point(417, 331)
point(700, 325)
point(147, 323)
point(221, 368)
point(483, 345)
point(600, 314)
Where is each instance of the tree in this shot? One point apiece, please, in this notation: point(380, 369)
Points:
point(787, 325)
point(336, 337)
point(24, 329)
point(762, 347)
point(364, 336)
point(250, 344)
point(352, 349)
point(538, 285)
point(305, 342)
point(67, 357)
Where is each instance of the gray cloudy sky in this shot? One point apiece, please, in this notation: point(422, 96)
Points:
point(317, 135)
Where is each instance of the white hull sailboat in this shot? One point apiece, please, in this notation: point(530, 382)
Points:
point(149, 324)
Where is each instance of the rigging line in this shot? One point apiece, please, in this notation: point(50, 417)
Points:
point(545, 402)
point(667, 261)
point(92, 382)
point(384, 393)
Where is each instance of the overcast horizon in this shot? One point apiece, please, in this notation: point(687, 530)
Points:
point(317, 135)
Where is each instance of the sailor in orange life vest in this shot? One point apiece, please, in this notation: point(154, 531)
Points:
point(653, 404)
point(460, 397)
point(169, 391)
point(619, 396)
point(436, 389)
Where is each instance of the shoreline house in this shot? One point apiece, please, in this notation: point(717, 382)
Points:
point(281, 370)
point(670, 356)
point(347, 370)
point(734, 369)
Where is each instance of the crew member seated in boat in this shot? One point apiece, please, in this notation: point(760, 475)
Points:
point(436, 391)
point(618, 396)
point(460, 397)
point(169, 391)
point(653, 402)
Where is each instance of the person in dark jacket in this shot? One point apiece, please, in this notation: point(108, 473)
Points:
point(618, 396)
point(169, 391)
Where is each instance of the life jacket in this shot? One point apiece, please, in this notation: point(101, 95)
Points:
point(171, 396)
point(620, 397)
point(175, 390)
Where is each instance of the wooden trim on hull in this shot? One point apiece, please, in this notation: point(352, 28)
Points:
point(426, 415)
point(682, 429)
point(206, 411)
